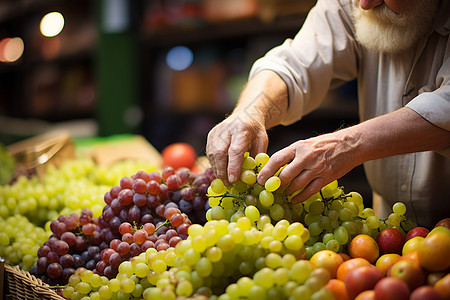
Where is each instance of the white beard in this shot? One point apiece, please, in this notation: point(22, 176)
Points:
point(383, 30)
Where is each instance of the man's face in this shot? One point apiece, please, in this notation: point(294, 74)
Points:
point(392, 26)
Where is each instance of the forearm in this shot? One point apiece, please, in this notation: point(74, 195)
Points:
point(400, 132)
point(265, 97)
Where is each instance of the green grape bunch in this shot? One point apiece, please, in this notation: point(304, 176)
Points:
point(331, 216)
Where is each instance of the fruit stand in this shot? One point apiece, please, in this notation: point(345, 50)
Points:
point(101, 220)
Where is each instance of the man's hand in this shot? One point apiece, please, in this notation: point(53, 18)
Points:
point(228, 141)
point(312, 163)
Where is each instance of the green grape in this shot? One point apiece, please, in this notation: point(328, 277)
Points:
point(293, 242)
point(273, 260)
point(250, 199)
point(298, 209)
point(204, 267)
point(263, 220)
point(213, 201)
point(226, 243)
point(309, 219)
point(261, 159)
point(315, 229)
point(272, 184)
point(373, 222)
point(316, 207)
point(333, 215)
point(319, 246)
point(333, 245)
point(252, 213)
point(327, 237)
point(244, 285)
point(367, 212)
point(394, 219)
point(266, 198)
point(301, 292)
point(279, 232)
point(296, 228)
point(184, 288)
point(248, 163)
point(341, 235)
point(322, 294)
point(239, 186)
point(352, 207)
point(248, 177)
point(336, 205)
point(281, 276)
point(127, 285)
point(345, 214)
point(355, 197)
point(228, 203)
point(399, 208)
point(300, 271)
point(265, 277)
point(217, 213)
point(276, 212)
point(350, 226)
point(330, 190)
point(324, 221)
point(96, 280)
point(275, 246)
point(83, 288)
point(256, 189)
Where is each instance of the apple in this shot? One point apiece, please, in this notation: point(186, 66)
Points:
point(391, 288)
point(425, 292)
point(390, 240)
point(408, 271)
point(416, 231)
point(361, 279)
point(444, 222)
point(433, 251)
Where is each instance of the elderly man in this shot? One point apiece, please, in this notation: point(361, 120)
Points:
point(399, 52)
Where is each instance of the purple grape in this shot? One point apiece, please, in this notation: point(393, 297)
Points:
point(66, 261)
point(134, 215)
point(54, 270)
point(185, 206)
point(140, 199)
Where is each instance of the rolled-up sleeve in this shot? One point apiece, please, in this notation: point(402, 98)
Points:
point(321, 56)
point(435, 106)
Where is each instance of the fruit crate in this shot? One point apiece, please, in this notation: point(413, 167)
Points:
point(20, 284)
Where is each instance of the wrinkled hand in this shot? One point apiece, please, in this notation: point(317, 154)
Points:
point(229, 140)
point(310, 164)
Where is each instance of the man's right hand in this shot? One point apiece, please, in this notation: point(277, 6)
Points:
point(229, 140)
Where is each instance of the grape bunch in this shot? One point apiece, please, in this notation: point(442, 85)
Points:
point(248, 198)
point(19, 241)
point(76, 242)
point(211, 261)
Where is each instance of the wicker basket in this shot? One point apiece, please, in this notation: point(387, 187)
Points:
point(22, 285)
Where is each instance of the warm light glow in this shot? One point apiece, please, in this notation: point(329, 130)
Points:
point(11, 49)
point(179, 58)
point(52, 24)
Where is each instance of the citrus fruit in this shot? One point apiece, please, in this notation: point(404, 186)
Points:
point(349, 265)
point(385, 261)
point(337, 288)
point(364, 246)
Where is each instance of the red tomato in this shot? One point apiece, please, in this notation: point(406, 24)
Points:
point(179, 155)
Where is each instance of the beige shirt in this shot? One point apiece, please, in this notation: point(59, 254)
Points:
point(325, 54)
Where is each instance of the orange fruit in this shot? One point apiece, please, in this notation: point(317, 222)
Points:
point(384, 262)
point(349, 265)
point(366, 295)
point(442, 286)
point(327, 259)
point(364, 246)
point(433, 252)
point(338, 289)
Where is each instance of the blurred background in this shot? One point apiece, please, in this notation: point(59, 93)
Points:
point(168, 70)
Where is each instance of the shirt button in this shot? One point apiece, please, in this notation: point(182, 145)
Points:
point(403, 188)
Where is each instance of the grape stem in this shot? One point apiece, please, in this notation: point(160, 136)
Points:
point(165, 222)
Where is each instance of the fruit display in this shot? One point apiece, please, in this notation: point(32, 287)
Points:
point(176, 233)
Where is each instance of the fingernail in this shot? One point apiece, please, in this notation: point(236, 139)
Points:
point(232, 178)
